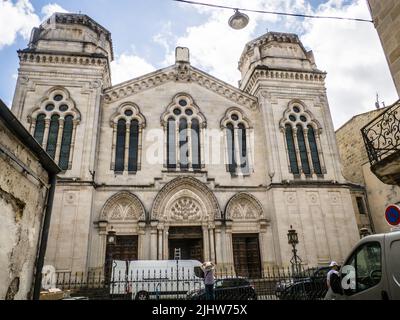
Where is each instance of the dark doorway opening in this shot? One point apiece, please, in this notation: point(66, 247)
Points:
point(188, 240)
point(125, 248)
point(246, 255)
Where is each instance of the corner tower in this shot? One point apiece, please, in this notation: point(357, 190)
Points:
point(60, 79)
point(58, 98)
point(278, 69)
point(306, 186)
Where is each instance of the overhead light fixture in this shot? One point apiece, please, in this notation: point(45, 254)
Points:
point(238, 20)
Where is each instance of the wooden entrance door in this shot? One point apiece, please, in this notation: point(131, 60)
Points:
point(189, 240)
point(125, 248)
point(246, 255)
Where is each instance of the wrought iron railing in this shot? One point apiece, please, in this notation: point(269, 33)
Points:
point(382, 135)
point(272, 284)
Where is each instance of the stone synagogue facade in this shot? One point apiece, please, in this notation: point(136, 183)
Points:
point(139, 159)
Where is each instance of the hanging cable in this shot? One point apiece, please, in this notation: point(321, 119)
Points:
point(274, 12)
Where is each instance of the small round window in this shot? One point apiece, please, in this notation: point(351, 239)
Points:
point(296, 109)
point(182, 102)
point(128, 113)
point(235, 117)
point(303, 118)
point(188, 112)
point(58, 97)
point(292, 118)
point(50, 107)
point(177, 111)
point(63, 107)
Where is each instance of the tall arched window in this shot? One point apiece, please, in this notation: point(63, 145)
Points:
point(302, 141)
point(53, 125)
point(39, 130)
point(133, 146)
point(183, 123)
point(195, 133)
point(230, 137)
point(294, 168)
point(66, 142)
point(314, 150)
point(171, 148)
point(127, 124)
point(120, 147)
point(237, 131)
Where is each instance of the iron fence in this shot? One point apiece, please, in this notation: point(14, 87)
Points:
point(178, 283)
point(382, 135)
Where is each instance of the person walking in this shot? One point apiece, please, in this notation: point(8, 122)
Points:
point(333, 282)
point(209, 279)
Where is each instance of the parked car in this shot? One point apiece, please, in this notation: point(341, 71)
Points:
point(145, 279)
point(308, 285)
point(375, 265)
point(227, 289)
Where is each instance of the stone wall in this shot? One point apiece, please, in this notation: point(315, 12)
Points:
point(22, 202)
point(386, 16)
point(352, 148)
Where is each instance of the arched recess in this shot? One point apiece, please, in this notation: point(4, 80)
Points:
point(185, 200)
point(244, 207)
point(123, 207)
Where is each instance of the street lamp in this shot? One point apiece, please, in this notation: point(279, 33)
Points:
point(293, 240)
point(238, 20)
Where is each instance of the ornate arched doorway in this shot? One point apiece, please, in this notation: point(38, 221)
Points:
point(121, 215)
point(183, 220)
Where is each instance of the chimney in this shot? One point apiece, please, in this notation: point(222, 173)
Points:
point(182, 55)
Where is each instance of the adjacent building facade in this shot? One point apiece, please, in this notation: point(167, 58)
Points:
point(25, 183)
point(373, 196)
point(386, 16)
point(177, 161)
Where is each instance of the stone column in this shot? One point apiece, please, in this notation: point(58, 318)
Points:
point(212, 243)
point(59, 138)
point(219, 258)
point(296, 146)
point(165, 252)
point(139, 153)
point(153, 240)
point(142, 240)
point(46, 133)
point(309, 157)
point(206, 246)
point(160, 230)
point(99, 249)
point(228, 246)
point(177, 147)
point(262, 238)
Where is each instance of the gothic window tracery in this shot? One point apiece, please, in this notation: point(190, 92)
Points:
point(127, 124)
point(237, 135)
point(183, 128)
point(53, 125)
point(302, 141)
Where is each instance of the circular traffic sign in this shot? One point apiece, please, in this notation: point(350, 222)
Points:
point(392, 215)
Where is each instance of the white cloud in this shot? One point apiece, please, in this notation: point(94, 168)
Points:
point(127, 66)
point(19, 18)
point(16, 19)
point(51, 8)
point(350, 52)
point(352, 55)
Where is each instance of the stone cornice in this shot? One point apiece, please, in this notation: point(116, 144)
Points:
point(180, 73)
point(282, 74)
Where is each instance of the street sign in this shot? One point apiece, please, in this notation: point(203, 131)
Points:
point(392, 215)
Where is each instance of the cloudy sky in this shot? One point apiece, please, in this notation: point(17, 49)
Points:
point(145, 34)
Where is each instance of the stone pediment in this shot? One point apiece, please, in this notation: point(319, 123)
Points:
point(180, 72)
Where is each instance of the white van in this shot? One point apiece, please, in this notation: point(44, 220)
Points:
point(155, 278)
point(376, 263)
